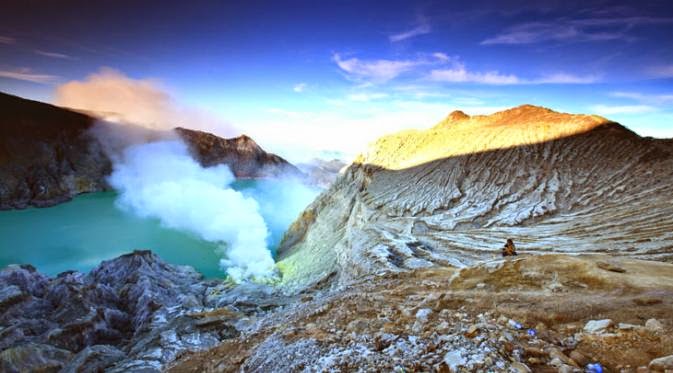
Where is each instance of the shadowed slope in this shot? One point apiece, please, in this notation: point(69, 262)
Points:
point(454, 193)
point(47, 154)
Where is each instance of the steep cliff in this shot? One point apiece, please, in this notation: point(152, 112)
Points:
point(452, 194)
point(47, 154)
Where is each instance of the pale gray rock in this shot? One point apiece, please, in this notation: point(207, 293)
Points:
point(654, 325)
point(93, 359)
point(33, 357)
point(132, 313)
point(597, 326)
point(662, 363)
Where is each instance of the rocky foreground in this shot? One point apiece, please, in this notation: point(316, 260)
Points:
point(529, 313)
point(535, 313)
point(133, 313)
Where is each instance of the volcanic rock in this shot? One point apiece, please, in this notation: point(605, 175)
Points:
point(661, 364)
point(597, 326)
point(131, 313)
point(244, 157)
point(47, 154)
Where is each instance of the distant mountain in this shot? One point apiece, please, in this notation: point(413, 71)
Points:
point(452, 194)
point(322, 172)
point(245, 158)
point(48, 154)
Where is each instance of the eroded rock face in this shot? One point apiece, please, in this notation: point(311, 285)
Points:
point(133, 312)
point(453, 194)
point(244, 157)
point(47, 154)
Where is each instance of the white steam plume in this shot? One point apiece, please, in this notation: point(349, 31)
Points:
point(281, 200)
point(161, 180)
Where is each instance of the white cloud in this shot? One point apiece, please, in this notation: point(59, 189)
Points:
point(52, 54)
point(622, 109)
point(565, 78)
point(378, 71)
point(365, 97)
point(421, 29)
point(651, 99)
point(459, 74)
point(573, 30)
point(368, 72)
point(441, 56)
point(299, 87)
point(7, 40)
point(27, 75)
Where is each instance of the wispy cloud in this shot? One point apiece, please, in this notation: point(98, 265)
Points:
point(52, 54)
point(377, 71)
point(421, 29)
point(645, 98)
point(440, 67)
point(27, 75)
point(443, 57)
point(661, 71)
point(366, 97)
point(458, 73)
point(573, 30)
point(7, 40)
point(622, 109)
point(565, 78)
point(299, 87)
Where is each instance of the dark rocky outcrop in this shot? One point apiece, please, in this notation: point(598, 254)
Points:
point(133, 312)
point(47, 154)
point(242, 154)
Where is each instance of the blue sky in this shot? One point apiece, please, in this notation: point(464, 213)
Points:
point(338, 74)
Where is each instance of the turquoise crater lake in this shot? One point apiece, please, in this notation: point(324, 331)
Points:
point(79, 234)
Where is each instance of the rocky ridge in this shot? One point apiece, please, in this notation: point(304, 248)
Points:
point(245, 158)
point(451, 195)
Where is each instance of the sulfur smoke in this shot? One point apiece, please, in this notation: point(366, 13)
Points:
point(157, 177)
point(161, 180)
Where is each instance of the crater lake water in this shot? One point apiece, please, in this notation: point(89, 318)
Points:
point(79, 234)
